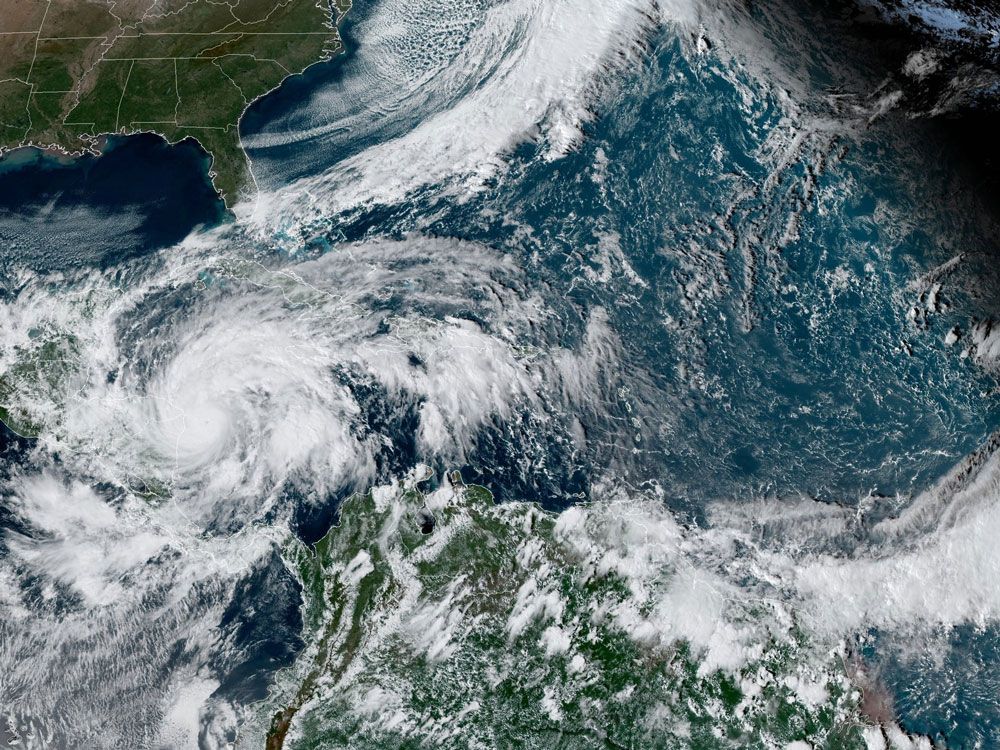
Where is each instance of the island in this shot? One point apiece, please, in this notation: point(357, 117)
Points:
point(73, 72)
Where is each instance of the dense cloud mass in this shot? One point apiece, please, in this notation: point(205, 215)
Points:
point(699, 291)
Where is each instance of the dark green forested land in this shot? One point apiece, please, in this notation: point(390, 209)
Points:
point(72, 71)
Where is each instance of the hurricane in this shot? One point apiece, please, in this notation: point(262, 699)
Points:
point(575, 375)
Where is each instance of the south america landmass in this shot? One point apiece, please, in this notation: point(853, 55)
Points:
point(73, 72)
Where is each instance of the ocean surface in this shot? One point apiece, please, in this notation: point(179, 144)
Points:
point(688, 253)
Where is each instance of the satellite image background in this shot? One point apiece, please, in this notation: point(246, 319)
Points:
point(530, 373)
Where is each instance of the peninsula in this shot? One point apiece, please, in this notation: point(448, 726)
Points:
point(74, 71)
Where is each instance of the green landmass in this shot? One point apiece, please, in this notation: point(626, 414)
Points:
point(33, 377)
point(73, 71)
point(448, 620)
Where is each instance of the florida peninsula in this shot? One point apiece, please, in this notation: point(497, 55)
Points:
point(74, 71)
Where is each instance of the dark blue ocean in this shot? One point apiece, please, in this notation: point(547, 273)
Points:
point(139, 196)
point(781, 318)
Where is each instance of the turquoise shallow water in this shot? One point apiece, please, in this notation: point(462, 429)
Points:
point(764, 300)
point(141, 195)
point(775, 301)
